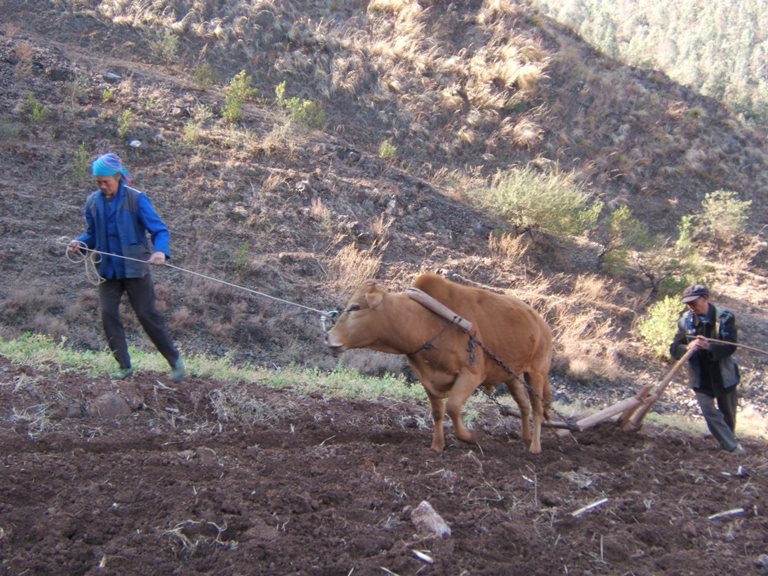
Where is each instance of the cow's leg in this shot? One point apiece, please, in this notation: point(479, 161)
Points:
point(536, 383)
point(438, 416)
point(462, 389)
point(516, 387)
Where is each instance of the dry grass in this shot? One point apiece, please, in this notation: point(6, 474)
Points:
point(508, 248)
point(393, 6)
point(586, 343)
point(380, 228)
point(350, 267)
point(236, 403)
point(527, 134)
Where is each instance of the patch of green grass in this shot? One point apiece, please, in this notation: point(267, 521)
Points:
point(43, 352)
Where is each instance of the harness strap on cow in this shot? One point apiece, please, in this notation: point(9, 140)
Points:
point(444, 312)
point(465, 325)
point(429, 344)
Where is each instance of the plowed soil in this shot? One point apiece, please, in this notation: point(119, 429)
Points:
point(142, 477)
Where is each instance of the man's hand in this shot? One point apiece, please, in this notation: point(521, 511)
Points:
point(157, 258)
point(74, 246)
point(699, 343)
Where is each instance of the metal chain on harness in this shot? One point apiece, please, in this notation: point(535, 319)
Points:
point(505, 410)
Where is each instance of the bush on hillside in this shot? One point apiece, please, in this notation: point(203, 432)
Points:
point(239, 92)
point(658, 326)
point(530, 200)
point(723, 215)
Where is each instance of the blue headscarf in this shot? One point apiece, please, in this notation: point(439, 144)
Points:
point(109, 164)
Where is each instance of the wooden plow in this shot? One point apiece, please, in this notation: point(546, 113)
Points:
point(631, 411)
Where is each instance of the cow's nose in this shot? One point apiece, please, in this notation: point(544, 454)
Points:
point(334, 346)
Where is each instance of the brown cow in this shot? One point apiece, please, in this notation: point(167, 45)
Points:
point(440, 353)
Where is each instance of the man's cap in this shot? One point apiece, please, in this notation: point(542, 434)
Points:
point(695, 291)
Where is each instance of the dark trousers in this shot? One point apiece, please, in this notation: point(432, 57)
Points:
point(141, 295)
point(721, 420)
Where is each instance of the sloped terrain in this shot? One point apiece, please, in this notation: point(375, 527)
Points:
point(144, 477)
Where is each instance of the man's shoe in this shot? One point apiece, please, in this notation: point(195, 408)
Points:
point(122, 374)
point(178, 372)
point(738, 450)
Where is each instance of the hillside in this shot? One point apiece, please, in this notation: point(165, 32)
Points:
point(276, 216)
point(461, 91)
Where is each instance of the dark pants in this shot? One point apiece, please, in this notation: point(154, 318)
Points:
point(721, 420)
point(141, 295)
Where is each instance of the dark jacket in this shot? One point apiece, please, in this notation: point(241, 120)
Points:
point(134, 217)
point(711, 371)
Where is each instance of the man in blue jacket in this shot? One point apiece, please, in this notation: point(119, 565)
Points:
point(713, 373)
point(118, 220)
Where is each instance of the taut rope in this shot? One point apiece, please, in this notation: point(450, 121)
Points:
point(90, 258)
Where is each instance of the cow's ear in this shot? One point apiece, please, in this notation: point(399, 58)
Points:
point(374, 299)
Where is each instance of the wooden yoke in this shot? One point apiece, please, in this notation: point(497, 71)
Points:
point(443, 311)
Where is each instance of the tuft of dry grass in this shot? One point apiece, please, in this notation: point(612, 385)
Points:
point(380, 228)
point(350, 267)
point(508, 248)
point(527, 134)
point(586, 342)
point(393, 6)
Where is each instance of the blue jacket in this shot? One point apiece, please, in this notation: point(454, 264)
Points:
point(120, 227)
point(714, 370)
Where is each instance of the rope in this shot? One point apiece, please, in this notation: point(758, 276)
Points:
point(91, 259)
point(737, 344)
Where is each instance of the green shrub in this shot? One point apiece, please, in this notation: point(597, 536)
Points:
point(305, 112)
point(80, 164)
point(627, 233)
point(164, 45)
point(657, 328)
point(124, 123)
point(204, 76)
point(724, 215)
point(280, 92)
point(387, 151)
point(300, 111)
point(9, 129)
point(239, 92)
point(36, 112)
point(686, 230)
point(534, 200)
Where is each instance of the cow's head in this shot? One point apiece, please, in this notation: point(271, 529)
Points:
point(356, 326)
